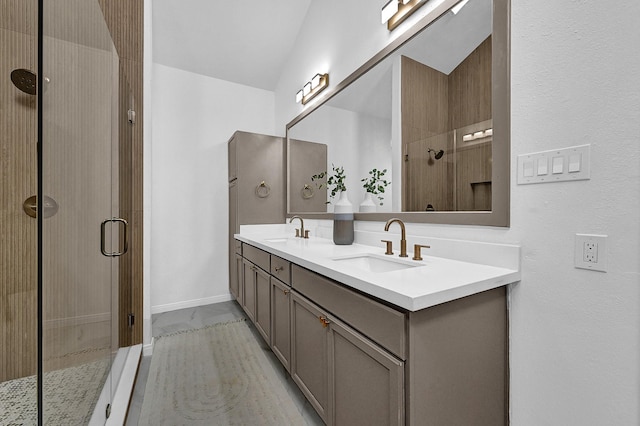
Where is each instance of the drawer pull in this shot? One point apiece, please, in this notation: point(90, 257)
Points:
point(279, 268)
point(325, 322)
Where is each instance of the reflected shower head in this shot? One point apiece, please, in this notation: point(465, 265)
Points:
point(24, 80)
point(438, 154)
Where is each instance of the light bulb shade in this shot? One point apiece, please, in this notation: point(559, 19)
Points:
point(306, 89)
point(315, 81)
point(405, 1)
point(388, 10)
point(455, 9)
point(299, 96)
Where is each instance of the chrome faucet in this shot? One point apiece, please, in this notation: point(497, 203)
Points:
point(403, 239)
point(300, 232)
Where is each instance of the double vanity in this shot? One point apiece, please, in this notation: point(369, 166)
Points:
point(373, 338)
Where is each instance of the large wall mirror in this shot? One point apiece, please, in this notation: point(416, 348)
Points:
point(432, 109)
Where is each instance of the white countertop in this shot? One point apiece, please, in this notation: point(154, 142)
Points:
point(436, 280)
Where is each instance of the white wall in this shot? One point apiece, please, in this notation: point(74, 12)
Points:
point(193, 117)
point(575, 340)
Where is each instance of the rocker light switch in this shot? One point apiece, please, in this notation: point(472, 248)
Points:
point(557, 165)
point(543, 166)
point(574, 163)
point(528, 168)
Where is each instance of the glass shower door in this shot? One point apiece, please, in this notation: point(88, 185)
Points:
point(80, 238)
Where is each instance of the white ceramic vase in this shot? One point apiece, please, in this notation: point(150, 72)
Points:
point(368, 205)
point(343, 233)
point(343, 205)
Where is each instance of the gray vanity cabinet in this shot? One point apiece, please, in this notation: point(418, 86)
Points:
point(257, 289)
point(256, 183)
point(256, 300)
point(348, 379)
point(360, 361)
point(236, 283)
point(366, 383)
point(281, 321)
point(263, 304)
point(248, 301)
point(309, 353)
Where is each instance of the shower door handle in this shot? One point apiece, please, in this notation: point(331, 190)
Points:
point(103, 226)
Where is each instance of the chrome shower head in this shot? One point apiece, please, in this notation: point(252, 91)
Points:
point(24, 80)
point(438, 154)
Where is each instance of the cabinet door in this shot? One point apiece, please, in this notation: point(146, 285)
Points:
point(235, 280)
point(366, 383)
point(309, 351)
point(263, 304)
point(249, 297)
point(281, 321)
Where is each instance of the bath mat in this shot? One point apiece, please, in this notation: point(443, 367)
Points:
point(217, 375)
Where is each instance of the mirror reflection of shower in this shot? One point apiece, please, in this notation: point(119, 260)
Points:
point(26, 80)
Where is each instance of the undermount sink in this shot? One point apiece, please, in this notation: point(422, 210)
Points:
point(374, 263)
point(276, 240)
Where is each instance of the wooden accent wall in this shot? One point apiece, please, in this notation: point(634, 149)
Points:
point(470, 88)
point(470, 103)
point(18, 163)
point(425, 123)
point(433, 105)
point(125, 19)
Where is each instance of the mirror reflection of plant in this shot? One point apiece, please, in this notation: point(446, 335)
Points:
point(375, 184)
point(335, 181)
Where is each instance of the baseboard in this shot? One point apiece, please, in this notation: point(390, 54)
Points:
point(147, 350)
point(190, 303)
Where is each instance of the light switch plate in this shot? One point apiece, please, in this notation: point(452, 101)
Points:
point(555, 165)
point(591, 252)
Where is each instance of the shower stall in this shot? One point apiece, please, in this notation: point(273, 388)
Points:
point(66, 128)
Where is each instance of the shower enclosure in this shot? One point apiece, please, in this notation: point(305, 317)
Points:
point(66, 128)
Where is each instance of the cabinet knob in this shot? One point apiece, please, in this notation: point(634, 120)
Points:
point(279, 268)
point(286, 292)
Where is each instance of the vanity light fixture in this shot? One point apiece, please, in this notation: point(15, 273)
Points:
point(396, 11)
point(318, 83)
point(477, 135)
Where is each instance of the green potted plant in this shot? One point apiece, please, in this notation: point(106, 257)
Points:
point(335, 181)
point(343, 232)
point(375, 185)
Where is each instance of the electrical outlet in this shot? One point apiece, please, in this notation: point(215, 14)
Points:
point(591, 252)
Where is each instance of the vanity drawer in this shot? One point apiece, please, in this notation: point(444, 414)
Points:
point(281, 269)
point(256, 256)
point(380, 323)
point(238, 245)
